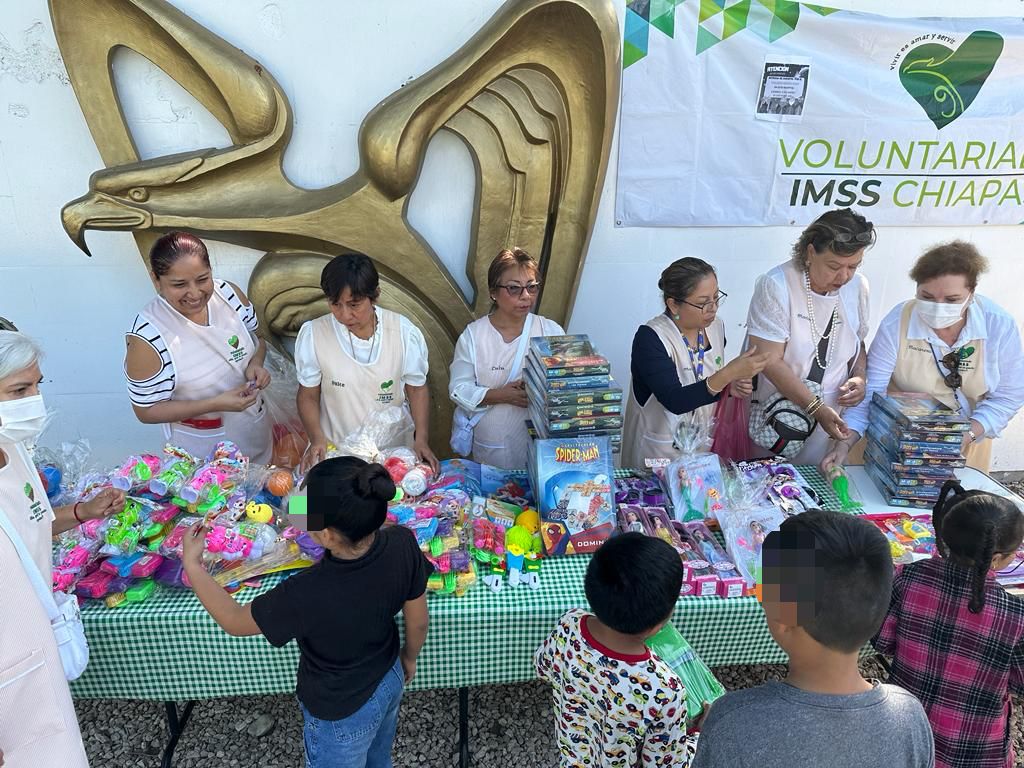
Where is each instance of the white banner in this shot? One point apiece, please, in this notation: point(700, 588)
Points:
point(763, 113)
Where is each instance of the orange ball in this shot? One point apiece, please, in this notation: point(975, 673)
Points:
point(280, 482)
point(288, 448)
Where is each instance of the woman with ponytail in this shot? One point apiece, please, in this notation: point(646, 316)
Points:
point(956, 637)
point(341, 611)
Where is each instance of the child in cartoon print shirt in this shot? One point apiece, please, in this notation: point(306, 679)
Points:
point(616, 704)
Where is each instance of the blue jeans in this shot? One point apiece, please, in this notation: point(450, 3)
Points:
point(364, 738)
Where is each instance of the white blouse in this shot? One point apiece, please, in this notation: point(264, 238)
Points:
point(462, 385)
point(769, 314)
point(160, 386)
point(414, 348)
point(1004, 361)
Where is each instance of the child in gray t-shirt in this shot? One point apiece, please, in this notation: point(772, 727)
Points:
point(827, 578)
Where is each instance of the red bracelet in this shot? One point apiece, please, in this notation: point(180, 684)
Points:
point(74, 511)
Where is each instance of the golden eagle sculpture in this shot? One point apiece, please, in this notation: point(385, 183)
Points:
point(532, 95)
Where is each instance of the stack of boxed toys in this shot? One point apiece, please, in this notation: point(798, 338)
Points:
point(913, 447)
point(570, 389)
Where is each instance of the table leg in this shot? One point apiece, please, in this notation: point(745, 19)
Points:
point(175, 727)
point(464, 759)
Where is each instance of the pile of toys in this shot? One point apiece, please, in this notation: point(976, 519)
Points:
point(123, 558)
point(913, 447)
point(473, 523)
point(707, 569)
point(570, 390)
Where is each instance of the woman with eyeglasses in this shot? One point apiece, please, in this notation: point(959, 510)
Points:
point(678, 366)
point(811, 313)
point(486, 382)
point(949, 342)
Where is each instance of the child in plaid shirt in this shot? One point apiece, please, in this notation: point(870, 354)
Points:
point(955, 636)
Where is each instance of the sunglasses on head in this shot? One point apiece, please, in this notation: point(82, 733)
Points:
point(851, 237)
point(953, 379)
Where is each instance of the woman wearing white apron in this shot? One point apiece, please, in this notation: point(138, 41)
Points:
point(358, 357)
point(949, 342)
point(678, 363)
point(38, 726)
point(817, 294)
point(194, 363)
point(486, 382)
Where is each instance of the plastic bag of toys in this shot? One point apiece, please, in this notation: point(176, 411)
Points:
point(290, 440)
point(387, 426)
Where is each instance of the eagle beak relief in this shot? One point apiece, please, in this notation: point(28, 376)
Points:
point(98, 211)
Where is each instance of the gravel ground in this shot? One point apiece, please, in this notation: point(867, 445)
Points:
point(510, 725)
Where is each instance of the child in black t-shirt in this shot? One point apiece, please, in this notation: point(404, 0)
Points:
point(341, 612)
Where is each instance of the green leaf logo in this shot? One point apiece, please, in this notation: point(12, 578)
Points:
point(30, 492)
point(233, 342)
point(966, 352)
point(386, 385)
point(945, 82)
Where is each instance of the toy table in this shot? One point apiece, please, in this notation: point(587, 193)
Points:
point(169, 649)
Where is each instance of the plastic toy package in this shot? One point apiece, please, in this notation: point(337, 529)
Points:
point(702, 687)
point(387, 426)
point(61, 468)
point(749, 517)
point(290, 440)
point(730, 582)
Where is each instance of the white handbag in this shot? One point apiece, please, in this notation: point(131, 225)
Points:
point(61, 608)
point(463, 423)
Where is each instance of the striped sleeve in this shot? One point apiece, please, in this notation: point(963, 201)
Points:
point(247, 312)
point(160, 386)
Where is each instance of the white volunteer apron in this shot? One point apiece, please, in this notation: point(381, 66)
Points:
point(649, 430)
point(916, 371)
point(24, 500)
point(500, 437)
point(801, 348)
point(351, 389)
point(38, 725)
point(209, 360)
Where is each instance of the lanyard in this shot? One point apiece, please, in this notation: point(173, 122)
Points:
point(963, 405)
point(697, 366)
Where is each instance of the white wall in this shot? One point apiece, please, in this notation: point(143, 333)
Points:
point(335, 62)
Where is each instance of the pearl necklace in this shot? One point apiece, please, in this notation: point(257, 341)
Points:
point(814, 326)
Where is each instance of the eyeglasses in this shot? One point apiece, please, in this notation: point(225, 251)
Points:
point(515, 290)
point(718, 301)
point(849, 237)
point(1015, 568)
point(953, 379)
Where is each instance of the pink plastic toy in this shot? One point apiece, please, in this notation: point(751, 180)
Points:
point(146, 566)
point(135, 472)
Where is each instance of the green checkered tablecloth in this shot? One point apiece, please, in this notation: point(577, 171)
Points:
point(168, 648)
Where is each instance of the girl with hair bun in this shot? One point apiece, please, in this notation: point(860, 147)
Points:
point(678, 363)
point(341, 612)
point(956, 637)
point(193, 360)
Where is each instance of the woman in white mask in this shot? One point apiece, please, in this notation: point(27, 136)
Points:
point(952, 343)
point(37, 719)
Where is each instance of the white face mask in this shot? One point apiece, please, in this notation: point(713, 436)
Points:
point(22, 420)
point(935, 314)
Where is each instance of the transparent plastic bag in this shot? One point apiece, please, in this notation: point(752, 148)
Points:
point(290, 439)
point(387, 426)
point(694, 480)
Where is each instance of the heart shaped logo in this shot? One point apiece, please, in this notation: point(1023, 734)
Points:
point(945, 82)
point(233, 342)
point(966, 352)
point(386, 385)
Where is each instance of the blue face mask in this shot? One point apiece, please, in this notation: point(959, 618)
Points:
point(22, 420)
